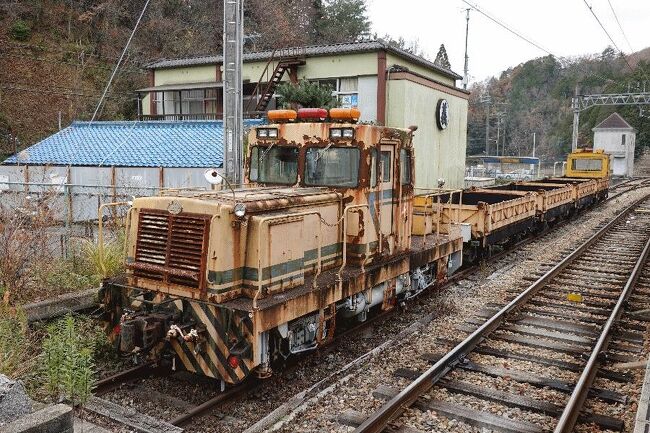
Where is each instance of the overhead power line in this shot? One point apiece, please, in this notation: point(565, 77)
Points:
point(514, 32)
point(48, 90)
point(117, 65)
point(80, 90)
point(43, 48)
point(620, 26)
point(62, 62)
point(533, 43)
point(591, 9)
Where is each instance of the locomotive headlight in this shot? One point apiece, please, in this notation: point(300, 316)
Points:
point(240, 210)
point(267, 133)
point(341, 133)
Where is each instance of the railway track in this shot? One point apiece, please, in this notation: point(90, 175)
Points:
point(141, 372)
point(627, 185)
point(538, 356)
point(191, 412)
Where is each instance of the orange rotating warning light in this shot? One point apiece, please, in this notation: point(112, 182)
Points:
point(345, 114)
point(282, 115)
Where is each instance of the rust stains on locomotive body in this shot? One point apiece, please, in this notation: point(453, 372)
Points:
point(228, 281)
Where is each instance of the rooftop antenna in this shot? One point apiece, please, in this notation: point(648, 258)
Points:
point(233, 123)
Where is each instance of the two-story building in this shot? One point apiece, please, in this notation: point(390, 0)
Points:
point(617, 138)
point(390, 86)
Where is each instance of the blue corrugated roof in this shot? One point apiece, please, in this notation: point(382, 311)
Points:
point(131, 144)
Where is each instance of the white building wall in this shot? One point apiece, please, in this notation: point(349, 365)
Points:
point(622, 155)
point(367, 88)
point(439, 154)
point(80, 195)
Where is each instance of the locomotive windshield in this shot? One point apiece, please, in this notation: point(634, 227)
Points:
point(275, 164)
point(336, 166)
point(587, 164)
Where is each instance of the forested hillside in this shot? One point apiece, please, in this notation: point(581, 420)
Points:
point(535, 97)
point(57, 55)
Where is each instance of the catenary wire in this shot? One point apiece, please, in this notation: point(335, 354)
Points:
point(538, 46)
point(117, 65)
point(591, 9)
point(620, 26)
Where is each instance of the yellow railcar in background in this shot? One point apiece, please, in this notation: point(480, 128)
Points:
point(588, 164)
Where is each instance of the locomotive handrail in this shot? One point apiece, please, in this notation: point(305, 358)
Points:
point(345, 233)
point(436, 193)
point(259, 247)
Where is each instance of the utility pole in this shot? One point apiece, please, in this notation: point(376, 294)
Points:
point(485, 99)
point(466, 69)
point(501, 117)
point(233, 123)
point(534, 136)
point(576, 120)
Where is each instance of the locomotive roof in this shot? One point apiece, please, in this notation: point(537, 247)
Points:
point(258, 194)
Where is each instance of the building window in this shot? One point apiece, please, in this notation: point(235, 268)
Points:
point(210, 101)
point(346, 90)
point(195, 101)
point(623, 140)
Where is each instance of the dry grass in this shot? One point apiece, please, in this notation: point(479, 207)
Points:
point(32, 270)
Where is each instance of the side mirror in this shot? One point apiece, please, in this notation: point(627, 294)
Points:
point(213, 177)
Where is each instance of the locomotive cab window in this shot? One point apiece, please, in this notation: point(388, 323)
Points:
point(405, 166)
point(587, 164)
point(275, 164)
point(373, 168)
point(385, 164)
point(336, 166)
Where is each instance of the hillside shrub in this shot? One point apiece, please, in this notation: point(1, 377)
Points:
point(20, 31)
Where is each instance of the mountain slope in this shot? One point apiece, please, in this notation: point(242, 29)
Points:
point(535, 97)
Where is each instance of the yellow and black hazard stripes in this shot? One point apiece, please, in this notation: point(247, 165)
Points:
point(192, 359)
point(209, 355)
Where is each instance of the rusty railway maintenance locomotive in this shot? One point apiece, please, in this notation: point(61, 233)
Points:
point(327, 228)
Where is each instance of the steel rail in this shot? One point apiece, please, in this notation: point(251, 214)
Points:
point(201, 409)
point(576, 401)
point(109, 383)
point(391, 409)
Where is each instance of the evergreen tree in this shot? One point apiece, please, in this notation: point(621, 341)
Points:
point(442, 59)
point(342, 21)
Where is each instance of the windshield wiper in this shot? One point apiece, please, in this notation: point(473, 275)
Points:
point(322, 152)
point(268, 149)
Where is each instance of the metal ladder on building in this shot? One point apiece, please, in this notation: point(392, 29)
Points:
point(281, 61)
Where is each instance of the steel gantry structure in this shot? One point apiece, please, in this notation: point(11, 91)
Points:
point(583, 102)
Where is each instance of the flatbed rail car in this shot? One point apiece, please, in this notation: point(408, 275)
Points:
point(223, 283)
point(503, 213)
point(554, 200)
point(587, 192)
point(493, 215)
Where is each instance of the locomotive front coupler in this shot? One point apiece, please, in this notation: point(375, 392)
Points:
point(189, 334)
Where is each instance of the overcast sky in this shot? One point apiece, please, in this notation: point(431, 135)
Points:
point(563, 27)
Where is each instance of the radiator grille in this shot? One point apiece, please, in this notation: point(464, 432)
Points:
point(170, 248)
